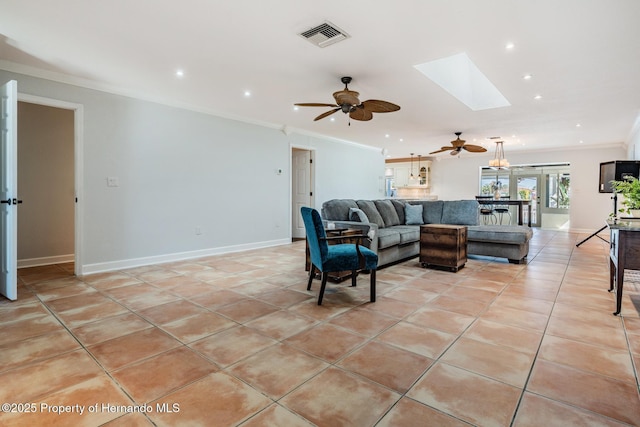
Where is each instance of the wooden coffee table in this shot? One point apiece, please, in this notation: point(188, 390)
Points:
point(443, 245)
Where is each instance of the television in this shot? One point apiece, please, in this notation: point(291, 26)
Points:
point(616, 170)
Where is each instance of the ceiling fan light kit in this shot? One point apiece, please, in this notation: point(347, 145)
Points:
point(347, 101)
point(458, 144)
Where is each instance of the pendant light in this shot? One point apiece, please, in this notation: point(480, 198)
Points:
point(412, 177)
point(419, 172)
point(499, 161)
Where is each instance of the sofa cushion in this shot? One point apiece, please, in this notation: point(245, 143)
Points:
point(388, 237)
point(408, 233)
point(388, 212)
point(460, 212)
point(337, 209)
point(514, 234)
point(370, 210)
point(431, 210)
point(413, 214)
point(357, 215)
point(399, 206)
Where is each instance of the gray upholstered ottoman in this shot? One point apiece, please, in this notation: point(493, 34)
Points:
point(505, 241)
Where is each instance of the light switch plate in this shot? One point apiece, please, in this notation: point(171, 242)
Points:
point(112, 181)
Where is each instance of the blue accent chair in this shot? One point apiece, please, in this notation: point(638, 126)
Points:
point(339, 257)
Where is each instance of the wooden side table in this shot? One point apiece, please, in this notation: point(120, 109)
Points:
point(443, 245)
point(336, 276)
point(624, 253)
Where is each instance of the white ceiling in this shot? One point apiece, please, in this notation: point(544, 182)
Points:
point(584, 56)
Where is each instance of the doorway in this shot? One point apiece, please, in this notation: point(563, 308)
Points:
point(49, 178)
point(528, 188)
point(301, 188)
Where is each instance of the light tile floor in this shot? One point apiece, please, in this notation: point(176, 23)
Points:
point(237, 340)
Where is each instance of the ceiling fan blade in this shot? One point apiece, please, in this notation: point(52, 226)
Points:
point(346, 97)
point(359, 113)
point(377, 106)
point(443, 149)
point(474, 148)
point(328, 113)
point(314, 104)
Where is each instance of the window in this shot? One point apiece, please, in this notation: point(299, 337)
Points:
point(492, 182)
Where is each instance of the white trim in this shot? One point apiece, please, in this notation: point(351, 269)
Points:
point(178, 256)
point(49, 260)
point(78, 153)
point(581, 231)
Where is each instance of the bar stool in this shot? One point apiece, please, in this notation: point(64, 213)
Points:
point(502, 209)
point(487, 212)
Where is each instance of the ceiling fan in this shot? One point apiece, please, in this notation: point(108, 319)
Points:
point(457, 146)
point(347, 101)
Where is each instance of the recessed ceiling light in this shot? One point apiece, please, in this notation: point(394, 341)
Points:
point(509, 46)
point(401, 140)
point(247, 94)
point(578, 125)
point(333, 119)
point(386, 136)
point(581, 142)
point(295, 108)
point(537, 97)
point(527, 76)
point(179, 74)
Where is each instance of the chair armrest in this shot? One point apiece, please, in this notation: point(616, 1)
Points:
point(359, 237)
point(368, 229)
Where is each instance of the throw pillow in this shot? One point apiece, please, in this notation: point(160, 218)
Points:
point(413, 214)
point(388, 212)
point(357, 215)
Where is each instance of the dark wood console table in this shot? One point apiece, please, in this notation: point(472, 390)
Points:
point(624, 253)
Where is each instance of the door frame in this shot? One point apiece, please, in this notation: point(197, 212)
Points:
point(312, 184)
point(536, 221)
point(78, 149)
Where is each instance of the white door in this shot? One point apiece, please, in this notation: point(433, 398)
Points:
point(8, 189)
point(301, 189)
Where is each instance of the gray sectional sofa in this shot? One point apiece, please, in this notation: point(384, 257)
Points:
point(394, 228)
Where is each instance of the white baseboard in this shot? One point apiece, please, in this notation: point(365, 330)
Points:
point(180, 256)
point(588, 231)
point(36, 262)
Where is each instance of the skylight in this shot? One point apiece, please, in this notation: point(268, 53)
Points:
point(463, 79)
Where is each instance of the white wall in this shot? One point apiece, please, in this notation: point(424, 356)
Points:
point(179, 169)
point(633, 152)
point(457, 178)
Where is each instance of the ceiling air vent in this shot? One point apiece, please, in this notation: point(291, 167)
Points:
point(325, 34)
